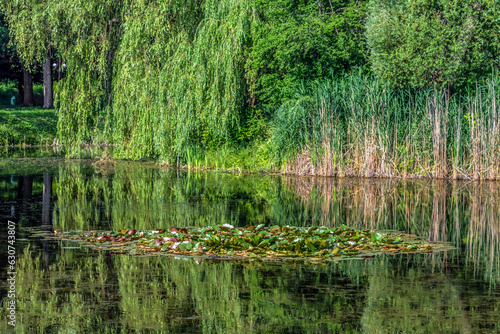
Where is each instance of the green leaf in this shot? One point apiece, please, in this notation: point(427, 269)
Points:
point(376, 237)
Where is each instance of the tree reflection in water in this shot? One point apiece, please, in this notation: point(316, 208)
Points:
point(60, 288)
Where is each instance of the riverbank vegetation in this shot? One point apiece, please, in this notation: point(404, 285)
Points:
point(360, 126)
point(335, 88)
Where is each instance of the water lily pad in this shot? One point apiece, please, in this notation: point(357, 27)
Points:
point(313, 243)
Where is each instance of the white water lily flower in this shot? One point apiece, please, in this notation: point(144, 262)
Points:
point(175, 245)
point(228, 226)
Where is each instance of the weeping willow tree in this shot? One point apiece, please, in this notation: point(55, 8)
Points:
point(87, 36)
point(155, 77)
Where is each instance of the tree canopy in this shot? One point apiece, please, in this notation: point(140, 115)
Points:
point(421, 42)
point(157, 78)
point(294, 41)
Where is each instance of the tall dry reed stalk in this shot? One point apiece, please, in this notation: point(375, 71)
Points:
point(358, 126)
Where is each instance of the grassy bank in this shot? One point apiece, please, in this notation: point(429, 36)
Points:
point(8, 89)
point(27, 126)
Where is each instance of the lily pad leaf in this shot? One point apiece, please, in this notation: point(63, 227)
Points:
point(376, 237)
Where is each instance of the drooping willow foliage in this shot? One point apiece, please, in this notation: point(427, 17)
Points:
point(155, 77)
point(86, 36)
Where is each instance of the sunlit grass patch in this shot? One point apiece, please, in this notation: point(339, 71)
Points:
point(26, 125)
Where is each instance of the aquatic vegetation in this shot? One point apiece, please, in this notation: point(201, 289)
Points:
point(361, 126)
point(320, 243)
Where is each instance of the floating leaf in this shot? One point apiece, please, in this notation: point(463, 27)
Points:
point(376, 237)
point(266, 241)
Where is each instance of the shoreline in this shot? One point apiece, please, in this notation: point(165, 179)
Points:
point(108, 161)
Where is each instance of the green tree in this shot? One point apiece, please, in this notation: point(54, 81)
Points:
point(86, 34)
point(437, 42)
point(30, 29)
point(10, 67)
point(303, 40)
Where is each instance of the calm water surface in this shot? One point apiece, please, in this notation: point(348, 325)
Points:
point(63, 287)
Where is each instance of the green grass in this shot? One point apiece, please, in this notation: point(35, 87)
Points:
point(26, 125)
point(253, 157)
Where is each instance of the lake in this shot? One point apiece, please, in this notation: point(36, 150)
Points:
point(66, 287)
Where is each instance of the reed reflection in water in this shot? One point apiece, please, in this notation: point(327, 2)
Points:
point(66, 289)
point(467, 214)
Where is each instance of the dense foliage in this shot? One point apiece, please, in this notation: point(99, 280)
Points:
point(295, 41)
point(157, 78)
point(176, 87)
point(28, 24)
point(5, 48)
point(421, 42)
point(285, 79)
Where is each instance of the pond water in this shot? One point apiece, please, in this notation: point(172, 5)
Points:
point(65, 287)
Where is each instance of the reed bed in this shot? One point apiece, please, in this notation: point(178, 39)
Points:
point(359, 126)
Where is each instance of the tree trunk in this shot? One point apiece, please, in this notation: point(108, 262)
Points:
point(28, 99)
point(27, 196)
point(48, 98)
point(20, 90)
point(59, 71)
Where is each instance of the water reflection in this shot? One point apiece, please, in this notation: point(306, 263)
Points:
point(467, 214)
point(130, 294)
point(30, 151)
point(62, 288)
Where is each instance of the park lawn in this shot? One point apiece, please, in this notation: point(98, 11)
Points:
point(27, 125)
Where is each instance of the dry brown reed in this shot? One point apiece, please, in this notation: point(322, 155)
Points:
point(360, 127)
